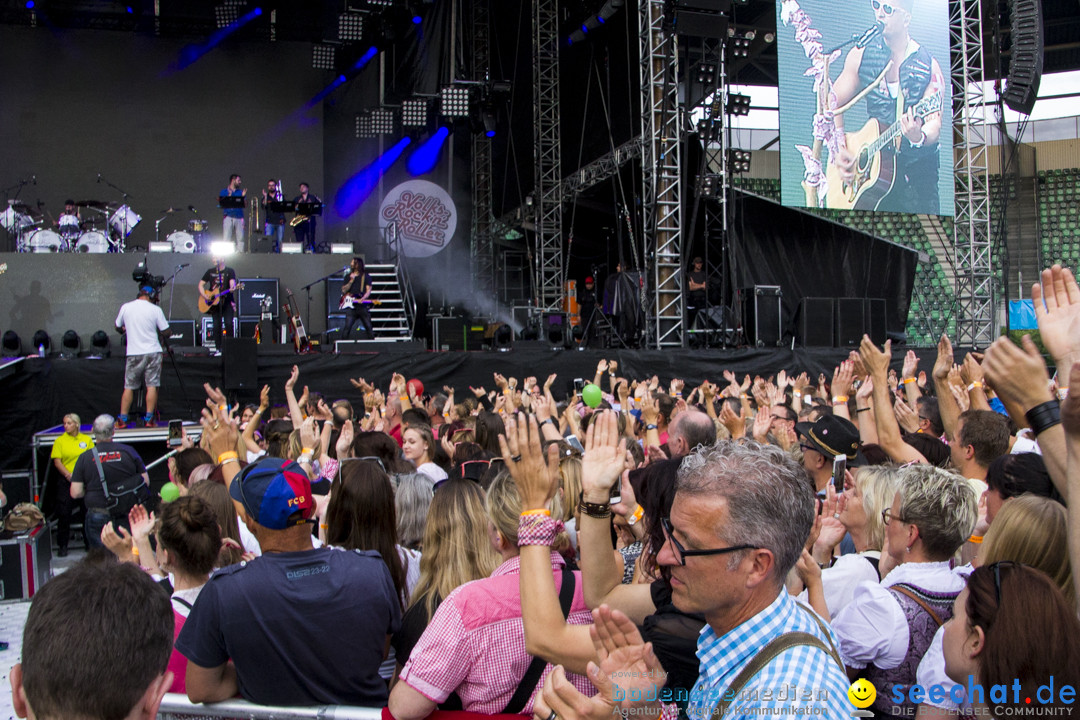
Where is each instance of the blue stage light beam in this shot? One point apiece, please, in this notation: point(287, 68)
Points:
point(425, 157)
point(191, 54)
point(359, 187)
point(321, 95)
point(366, 58)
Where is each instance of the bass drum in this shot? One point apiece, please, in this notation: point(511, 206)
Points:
point(45, 241)
point(92, 242)
point(182, 242)
point(124, 221)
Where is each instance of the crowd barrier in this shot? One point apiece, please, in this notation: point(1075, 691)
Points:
point(178, 707)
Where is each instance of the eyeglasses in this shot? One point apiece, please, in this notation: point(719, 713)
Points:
point(682, 553)
point(884, 7)
point(887, 516)
point(997, 575)
point(369, 458)
point(804, 447)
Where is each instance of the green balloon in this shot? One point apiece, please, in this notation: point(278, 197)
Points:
point(591, 395)
point(169, 492)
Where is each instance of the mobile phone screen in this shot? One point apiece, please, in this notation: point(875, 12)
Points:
point(839, 466)
point(176, 433)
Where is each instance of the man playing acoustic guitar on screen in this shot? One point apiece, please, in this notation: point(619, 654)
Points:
point(891, 163)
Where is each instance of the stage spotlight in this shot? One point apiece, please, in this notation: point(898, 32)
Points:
point(70, 344)
point(414, 112)
point(382, 121)
point(455, 101)
point(739, 161)
point(710, 186)
point(706, 72)
point(99, 343)
point(738, 104)
point(222, 248)
point(487, 114)
point(323, 56)
point(227, 13)
point(350, 27)
point(739, 46)
point(531, 332)
point(42, 342)
point(365, 128)
point(503, 338)
point(380, 3)
point(11, 344)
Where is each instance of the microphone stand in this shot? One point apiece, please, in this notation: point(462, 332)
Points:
point(172, 290)
point(307, 289)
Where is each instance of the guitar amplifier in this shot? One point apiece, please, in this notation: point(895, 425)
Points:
point(250, 297)
point(181, 333)
point(206, 331)
point(333, 294)
point(247, 328)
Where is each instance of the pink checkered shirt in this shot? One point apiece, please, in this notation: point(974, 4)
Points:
point(475, 643)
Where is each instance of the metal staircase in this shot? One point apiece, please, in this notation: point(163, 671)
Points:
point(391, 318)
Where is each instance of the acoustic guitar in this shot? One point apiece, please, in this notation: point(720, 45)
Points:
point(296, 324)
point(215, 298)
point(875, 162)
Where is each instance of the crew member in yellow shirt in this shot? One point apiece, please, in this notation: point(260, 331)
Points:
point(66, 450)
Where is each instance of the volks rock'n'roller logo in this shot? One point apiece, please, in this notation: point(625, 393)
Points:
point(424, 215)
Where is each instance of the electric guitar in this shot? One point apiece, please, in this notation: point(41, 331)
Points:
point(348, 301)
point(215, 298)
point(300, 336)
point(875, 162)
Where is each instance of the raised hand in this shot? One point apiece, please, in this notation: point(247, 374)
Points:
point(535, 472)
point(911, 364)
point(1059, 320)
point(345, 441)
point(293, 377)
point(604, 458)
point(944, 362)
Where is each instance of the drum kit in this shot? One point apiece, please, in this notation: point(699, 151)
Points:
point(105, 231)
point(194, 238)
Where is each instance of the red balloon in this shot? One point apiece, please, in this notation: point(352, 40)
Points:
point(416, 387)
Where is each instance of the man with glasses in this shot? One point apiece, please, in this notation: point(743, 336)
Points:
point(896, 72)
point(738, 523)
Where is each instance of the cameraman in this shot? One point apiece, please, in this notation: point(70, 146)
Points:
point(146, 329)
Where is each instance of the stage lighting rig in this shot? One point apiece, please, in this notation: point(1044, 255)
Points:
point(739, 45)
point(455, 101)
point(738, 104)
point(706, 73)
point(380, 3)
point(414, 112)
point(365, 128)
point(382, 121)
point(739, 161)
point(323, 56)
point(709, 186)
point(227, 13)
point(350, 27)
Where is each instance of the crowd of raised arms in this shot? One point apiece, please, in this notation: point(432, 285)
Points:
point(644, 547)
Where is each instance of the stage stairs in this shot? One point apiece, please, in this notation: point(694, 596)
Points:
point(390, 318)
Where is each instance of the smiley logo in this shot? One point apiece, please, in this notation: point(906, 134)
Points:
point(862, 693)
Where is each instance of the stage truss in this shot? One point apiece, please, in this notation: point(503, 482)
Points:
point(547, 197)
point(975, 316)
point(483, 226)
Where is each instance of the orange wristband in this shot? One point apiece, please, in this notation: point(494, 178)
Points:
point(539, 511)
point(229, 455)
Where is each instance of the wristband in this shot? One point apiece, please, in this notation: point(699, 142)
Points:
point(227, 455)
point(403, 398)
point(977, 539)
point(222, 407)
point(594, 510)
point(1044, 416)
point(905, 381)
point(226, 461)
point(134, 550)
point(1062, 393)
point(839, 399)
point(258, 411)
point(538, 530)
point(651, 426)
point(538, 511)
point(859, 410)
point(307, 451)
point(549, 421)
point(636, 516)
point(973, 385)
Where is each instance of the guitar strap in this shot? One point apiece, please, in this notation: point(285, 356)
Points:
point(899, 113)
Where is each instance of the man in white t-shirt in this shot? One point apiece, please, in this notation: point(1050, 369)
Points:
point(146, 327)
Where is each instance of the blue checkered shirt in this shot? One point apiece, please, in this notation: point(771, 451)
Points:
point(801, 681)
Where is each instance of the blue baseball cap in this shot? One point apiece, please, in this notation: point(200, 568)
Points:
point(273, 491)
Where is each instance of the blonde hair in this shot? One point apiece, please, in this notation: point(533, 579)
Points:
point(941, 504)
point(570, 474)
point(1032, 530)
point(877, 485)
point(296, 447)
point(504, 510)
point(456, 545)
point(75, 418)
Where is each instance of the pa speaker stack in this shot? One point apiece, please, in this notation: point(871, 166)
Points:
point(1025, 68)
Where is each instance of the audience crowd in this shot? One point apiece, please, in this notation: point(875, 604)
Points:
point(732, 549)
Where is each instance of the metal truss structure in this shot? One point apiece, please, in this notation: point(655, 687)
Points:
point(600, 169)
point(483, 230)
point(661, 174)
point(547, 171)
point(975, 318)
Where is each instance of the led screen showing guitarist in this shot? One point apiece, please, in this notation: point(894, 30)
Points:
point(356, 299)
point(903, 86)
point(217, 289)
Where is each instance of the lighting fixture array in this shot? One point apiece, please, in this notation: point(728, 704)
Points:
point(350, 27)
point(455, 101)
point(414, 112)
point(227, 13)
point(382, 121)
point(323, 56)
point(739, 45)
point(365, 128)
point(738, 104)
point(739, 161)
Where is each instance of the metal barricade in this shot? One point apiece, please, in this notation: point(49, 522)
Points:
point(178, 707)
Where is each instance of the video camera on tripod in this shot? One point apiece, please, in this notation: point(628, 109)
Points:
point(145, 278)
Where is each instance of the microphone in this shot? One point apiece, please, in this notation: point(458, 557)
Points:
point(869, 35)
point(184, 265)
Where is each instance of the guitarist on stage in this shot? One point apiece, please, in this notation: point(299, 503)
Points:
point(217, 287)
point(910, 72)
point(355, 298)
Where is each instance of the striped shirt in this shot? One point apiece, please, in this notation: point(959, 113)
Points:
point(804, 680)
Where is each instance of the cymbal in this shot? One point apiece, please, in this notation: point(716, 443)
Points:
point(99, 204)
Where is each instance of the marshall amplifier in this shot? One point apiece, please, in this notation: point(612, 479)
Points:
point(250, 297)
point(181, 333)
point(333, 293)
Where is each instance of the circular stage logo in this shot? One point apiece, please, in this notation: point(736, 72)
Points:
point(424, 214)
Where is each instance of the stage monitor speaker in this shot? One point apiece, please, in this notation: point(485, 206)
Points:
point(191, 351)
point(761, 314)
point(333, 294)
point(850, 321)
point(876, 321)
point(1026, 64)
point(181, 332)
point(262, 243)
point(448, 333)
point(815, 322)
point(691, 23)
point(240, 360)
point(251, 296)
point(247, 328)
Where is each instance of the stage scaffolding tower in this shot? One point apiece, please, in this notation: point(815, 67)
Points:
point(483, 230)
point(547, 200)
point(975, 317)
point(661, 172)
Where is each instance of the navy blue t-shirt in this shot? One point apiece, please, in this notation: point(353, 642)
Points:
point(302, 628)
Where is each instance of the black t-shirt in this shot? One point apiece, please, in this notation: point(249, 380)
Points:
point(228, 277)
point(118, 462)
point(697, 276)
point(359, 286)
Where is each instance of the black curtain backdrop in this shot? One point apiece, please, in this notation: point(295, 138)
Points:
point(808, 256)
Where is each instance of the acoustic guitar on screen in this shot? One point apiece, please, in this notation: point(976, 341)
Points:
point(874, 150)
point(215, 298)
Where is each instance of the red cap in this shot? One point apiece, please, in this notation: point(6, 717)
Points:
point(589, 279)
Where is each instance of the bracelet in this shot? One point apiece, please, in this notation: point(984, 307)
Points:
point(307, 451)
point(636, 516)
point(227, 455)
point(226, 461)
point(324, 526)
point(859, 410)
point(1062, 393)
point(839, 399)
point(538, 530)
point(542, 423)
point(600, 511)
point(973, 385)
point(222, 407)
point(1044, 416)
point(537, 511)
point(134, 550)
point(403, 398)
point(977, 539)
point(905, 381)
point(651, 426)
point(258, 411)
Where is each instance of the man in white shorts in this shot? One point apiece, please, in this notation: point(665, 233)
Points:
point(146, 328)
